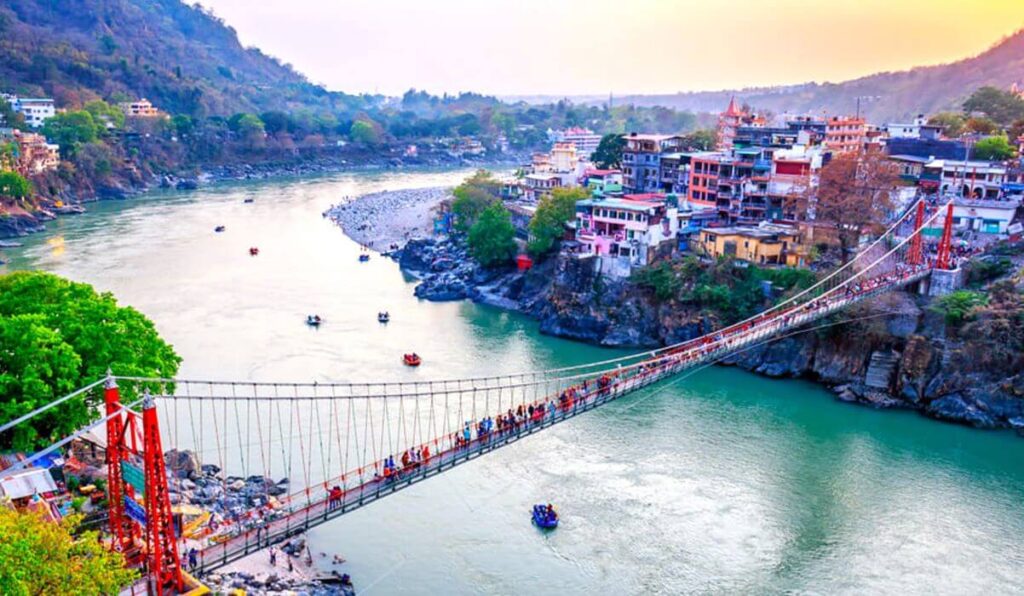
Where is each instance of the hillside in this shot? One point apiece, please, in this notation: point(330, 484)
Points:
point(182, 58)
point(902, 94)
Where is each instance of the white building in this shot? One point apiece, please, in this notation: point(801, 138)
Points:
point(585, 140)
point(622, 233)
point(35, 109)
point(539, 184)
point(918, 129)
point(972, 179)
point(985, 216)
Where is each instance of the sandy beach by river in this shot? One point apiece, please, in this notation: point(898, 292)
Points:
point(381, 219)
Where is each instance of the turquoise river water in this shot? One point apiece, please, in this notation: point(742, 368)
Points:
point(724, 482)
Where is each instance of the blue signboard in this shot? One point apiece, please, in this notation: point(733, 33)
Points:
point(134, 510)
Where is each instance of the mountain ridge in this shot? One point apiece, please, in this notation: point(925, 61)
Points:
point(181, 57)
point(900, 94)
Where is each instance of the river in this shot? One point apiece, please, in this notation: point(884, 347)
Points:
point(724, 482)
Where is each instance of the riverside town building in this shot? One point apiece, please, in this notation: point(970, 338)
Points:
point(738, 199)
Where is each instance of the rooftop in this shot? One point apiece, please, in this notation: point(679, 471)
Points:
point(765, 233)
point(987, 203)
point(652, 197)
point(624, 204)
point(26, 483)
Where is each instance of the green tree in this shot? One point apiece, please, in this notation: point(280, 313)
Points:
point(998, 104)
point(107, 44)
point(548, 223)
point(14, 186)
point(981, 126)
point(102, 111)
point(364, 131)
point(993, 149)
point(248, 126)
point(38, 556)
point(701, 140)
point(959, 306)
point(492, 238)
point(182, 124)
point(10, 118)
point(661, 277)
point(57, 335)
point(609, 151)
point(475, 194)
point(70, 130)
point(952, 123)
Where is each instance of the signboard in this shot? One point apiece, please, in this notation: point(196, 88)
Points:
point(134, 510)
point(133, 475)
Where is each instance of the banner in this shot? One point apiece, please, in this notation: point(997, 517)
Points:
point(133, 475)
point(134, 510)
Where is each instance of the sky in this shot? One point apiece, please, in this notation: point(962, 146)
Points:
point(579, 47)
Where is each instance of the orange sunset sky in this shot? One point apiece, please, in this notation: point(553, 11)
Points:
point(596, 46)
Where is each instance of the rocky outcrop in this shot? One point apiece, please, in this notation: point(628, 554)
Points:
point(890, 352)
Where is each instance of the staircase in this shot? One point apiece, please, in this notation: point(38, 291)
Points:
point(881, 369)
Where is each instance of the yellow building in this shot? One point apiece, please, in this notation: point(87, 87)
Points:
point(140, 109)
point(768, 244)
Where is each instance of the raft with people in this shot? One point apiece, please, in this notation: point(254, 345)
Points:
point(412, 359)
point(364, 257)
point(545, 516)
point(313, 320)
point(383, 317)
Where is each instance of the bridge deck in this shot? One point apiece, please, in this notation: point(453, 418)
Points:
point(319, 510)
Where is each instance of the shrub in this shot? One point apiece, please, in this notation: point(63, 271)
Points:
point(958, 306)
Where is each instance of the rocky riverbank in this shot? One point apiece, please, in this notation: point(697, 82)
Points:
point(897, 352)
point(389, 218)
point(67, 196)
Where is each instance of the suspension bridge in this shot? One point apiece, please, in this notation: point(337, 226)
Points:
point(341, 446)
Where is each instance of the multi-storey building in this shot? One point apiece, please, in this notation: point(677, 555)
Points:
point(765, 244)
point(564, 157)
point(602, 182)
point(844, 134)
point(641, 160)
point(36, 110)
point(968, 179)
point(625, 233)
point(585, 140)
point(540, 184)
point(140, 109)
point(918, 129)
point(33, 155)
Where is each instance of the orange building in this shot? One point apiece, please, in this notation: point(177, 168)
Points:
point(844, 134)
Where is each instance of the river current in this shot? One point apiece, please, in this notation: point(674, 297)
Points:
point(723, 482)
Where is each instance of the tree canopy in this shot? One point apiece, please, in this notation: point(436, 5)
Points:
point(1000, 105)
point(854, 195)
point(364, 131)
point(475, 194)
point(548, 223)
point(492, 238)
point(952, 123)
point(70, 130)
point(38, 556)
point(56, 336)
point(14, 186)
point(609, 151)
point(996, 148)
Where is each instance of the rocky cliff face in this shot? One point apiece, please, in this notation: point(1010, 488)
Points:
point(891, 352)
point(905, 360)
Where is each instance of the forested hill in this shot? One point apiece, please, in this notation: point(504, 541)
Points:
point(899, 95)
point(180, 57)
